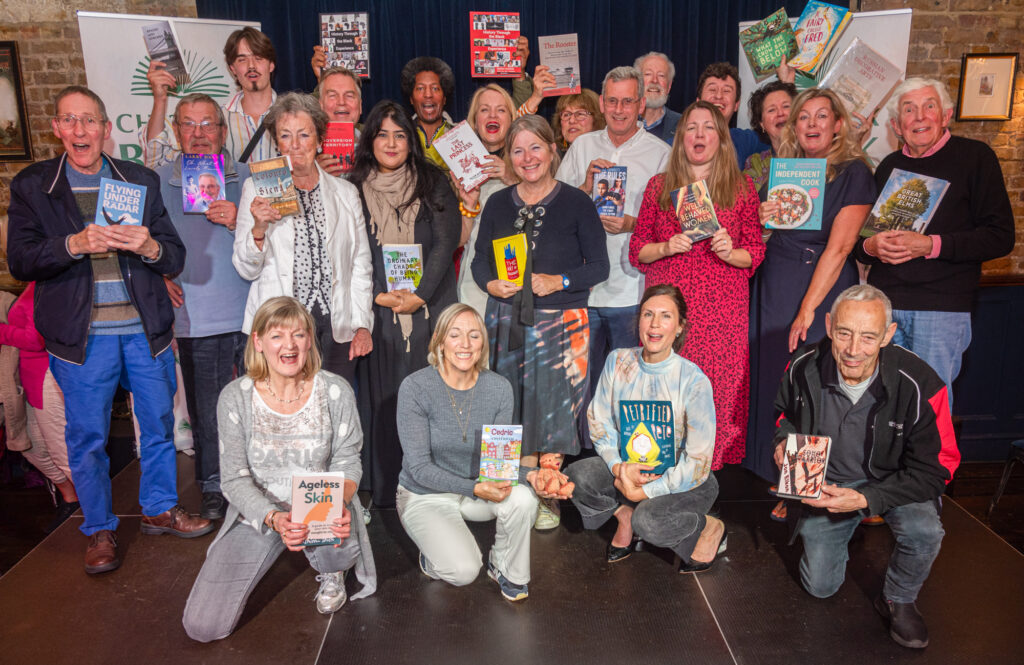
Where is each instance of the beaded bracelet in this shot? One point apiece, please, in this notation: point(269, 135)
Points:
point(466, 212)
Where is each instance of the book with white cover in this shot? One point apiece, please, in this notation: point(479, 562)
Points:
point(465, 155)
point(862, 77)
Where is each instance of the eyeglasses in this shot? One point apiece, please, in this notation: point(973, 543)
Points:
point(68, 121)
point(625, 102)
point(206, 126)
point(578, 116)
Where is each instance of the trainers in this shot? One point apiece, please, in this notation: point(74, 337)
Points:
point(547, 515)
point(512, 592)
point(366, 515)
point(331, 594)
point(906, 625)
point(176, 522)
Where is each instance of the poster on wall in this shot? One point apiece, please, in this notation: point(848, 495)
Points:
point(346, 42)
point(15, 142)
point(493, 40)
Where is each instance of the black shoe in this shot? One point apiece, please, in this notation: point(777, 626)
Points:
point(64, 511)
point(214, 505)
point(906, 625)
point(701, 566)
point(615, 553)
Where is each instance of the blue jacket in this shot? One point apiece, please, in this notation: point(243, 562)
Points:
point(42, 214)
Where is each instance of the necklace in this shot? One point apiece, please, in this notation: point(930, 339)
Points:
point(457, 412)
point(302, 389)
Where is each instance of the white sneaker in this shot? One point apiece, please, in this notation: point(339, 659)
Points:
point(547, 515)
point(366, 515)
point(331, 595)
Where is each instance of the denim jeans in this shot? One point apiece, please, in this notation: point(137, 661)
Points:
point(207, 365)
point(610, 328)
point(939, 338)
point(915, 526)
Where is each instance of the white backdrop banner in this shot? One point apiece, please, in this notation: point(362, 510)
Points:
point(116, 62)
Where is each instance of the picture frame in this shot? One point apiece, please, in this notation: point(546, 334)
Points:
point(986, 86)
point(15, 138)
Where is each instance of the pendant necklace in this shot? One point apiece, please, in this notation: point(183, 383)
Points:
point(302, 389)
point(457, 412)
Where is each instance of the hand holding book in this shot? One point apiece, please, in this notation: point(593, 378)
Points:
point(837, 499)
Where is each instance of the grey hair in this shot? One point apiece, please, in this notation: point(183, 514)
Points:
point(80, 90)
point(624, 73)
point(863, 293)
point(339, 71)
point(293, 103)
point(200, 98)
point(916, 83)
point(638, 64)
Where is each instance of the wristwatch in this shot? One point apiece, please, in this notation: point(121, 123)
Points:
point(565, 282)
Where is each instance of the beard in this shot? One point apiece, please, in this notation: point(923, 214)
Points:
point(656, 101)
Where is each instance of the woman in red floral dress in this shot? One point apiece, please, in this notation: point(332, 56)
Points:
point(713, 273)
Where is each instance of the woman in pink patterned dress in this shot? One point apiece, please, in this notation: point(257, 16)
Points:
point(712, 273)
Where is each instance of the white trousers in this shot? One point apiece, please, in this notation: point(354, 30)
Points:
point(437, 524)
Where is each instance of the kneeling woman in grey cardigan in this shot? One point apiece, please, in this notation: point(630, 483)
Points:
point(441, 413)
point(285, 416)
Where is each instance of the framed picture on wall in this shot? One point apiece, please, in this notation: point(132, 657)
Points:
point(15, 142)
point(986, 86)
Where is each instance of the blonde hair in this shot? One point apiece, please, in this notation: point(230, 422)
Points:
point(724, 181)
point(475, 103)
point(540, 128)
point(279, 312)
point(444, 324)
point(845, 146)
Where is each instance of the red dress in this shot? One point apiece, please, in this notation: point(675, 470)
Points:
point(717, 299)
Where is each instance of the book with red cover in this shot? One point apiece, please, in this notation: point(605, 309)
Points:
point(340, 141)
point(492, 44)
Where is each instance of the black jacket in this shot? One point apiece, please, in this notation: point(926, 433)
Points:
point(42, 214)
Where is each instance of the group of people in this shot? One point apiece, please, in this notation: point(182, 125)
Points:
point(296, 356)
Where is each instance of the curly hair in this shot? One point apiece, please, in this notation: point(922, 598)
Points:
point(426, 63)
point(719, 70)
point(845, 146)
point(756, 105)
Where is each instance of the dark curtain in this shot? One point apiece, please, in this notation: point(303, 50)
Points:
point(693, 33)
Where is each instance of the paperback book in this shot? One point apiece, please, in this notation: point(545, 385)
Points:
point(273, 180)
point(510, 258)
point(500, 450)
point(817, 31)
point(317, 500)
point(803, 466)
point(202, 182)
point(646, 434)
point(862, 77)
point(465, 155)
point(695, 210)
point(907, 203)
point(561, 55)
point(610, 191)
point(799, 187)
point(119, 203)
point(340, 141)
point(162, 46)
point(403, 266)
point(345, 41)
point(765, 42)
point(492, 45)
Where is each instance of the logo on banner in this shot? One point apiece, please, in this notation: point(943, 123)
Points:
point(202, 71)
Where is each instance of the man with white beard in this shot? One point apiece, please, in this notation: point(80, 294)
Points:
point(658, 72)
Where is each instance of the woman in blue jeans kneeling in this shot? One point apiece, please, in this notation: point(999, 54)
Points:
point(667, 510)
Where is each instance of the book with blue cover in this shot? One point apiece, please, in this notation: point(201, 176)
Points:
point(610, 191)
point(799, 187)
point(647, 434)
point(906, 203)
point(202, 182)
point(120, 203)
point(817, 31)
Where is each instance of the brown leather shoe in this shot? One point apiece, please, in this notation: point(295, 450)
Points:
point(101, 554)
point(176, 522)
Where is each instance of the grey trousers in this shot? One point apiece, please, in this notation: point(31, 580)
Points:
point(674, 521)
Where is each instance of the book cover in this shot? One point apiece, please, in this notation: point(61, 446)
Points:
point(561, 55)
point(817, 31)
point(803, 466)
point(317, 500)
point(907, 203)
point(119, 203)
point(510, 258)
point(340, 141)
point(500, 449)
point(609, 192)
point(403, 266)
point(492, 45)
point(695, 210)
point(162, 45)
point(765, 42)
point(646, 434)
point(346, 42)
point(799, 187)
point(862, 77)
point(273, 180)
point(465, 155)
point(202, 182)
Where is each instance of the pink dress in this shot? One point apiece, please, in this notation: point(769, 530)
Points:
point(717, 299)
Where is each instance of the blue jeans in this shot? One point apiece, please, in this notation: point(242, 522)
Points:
point(918, 532)
point(939, 338)
point(88, 396)
point(610, 328)
point(207, 365)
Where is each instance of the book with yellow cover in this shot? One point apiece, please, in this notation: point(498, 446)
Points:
point(317, 500)
point(510, 258)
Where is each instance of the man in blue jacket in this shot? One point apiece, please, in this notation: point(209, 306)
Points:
point(103, 311)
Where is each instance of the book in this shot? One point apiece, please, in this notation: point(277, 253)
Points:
point(162, 45)
point(346, 41)
point(500, 449)
point(695, 210)
point(803, 466)
point(817, 31)
point(492, 45)
point(609, 191)
point(403, 266)
point(273, 180)
point(561, 55)
point(799, 187)
point(119, 203)
point(340, 141)
point(647, 434)
point(862, 77)
point(907, 203)
point(510, 258)
point(765, 42)
point(317, 500)
point(202, 182)
point(465, 155)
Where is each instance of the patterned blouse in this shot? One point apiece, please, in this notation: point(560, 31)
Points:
point(312, 268)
